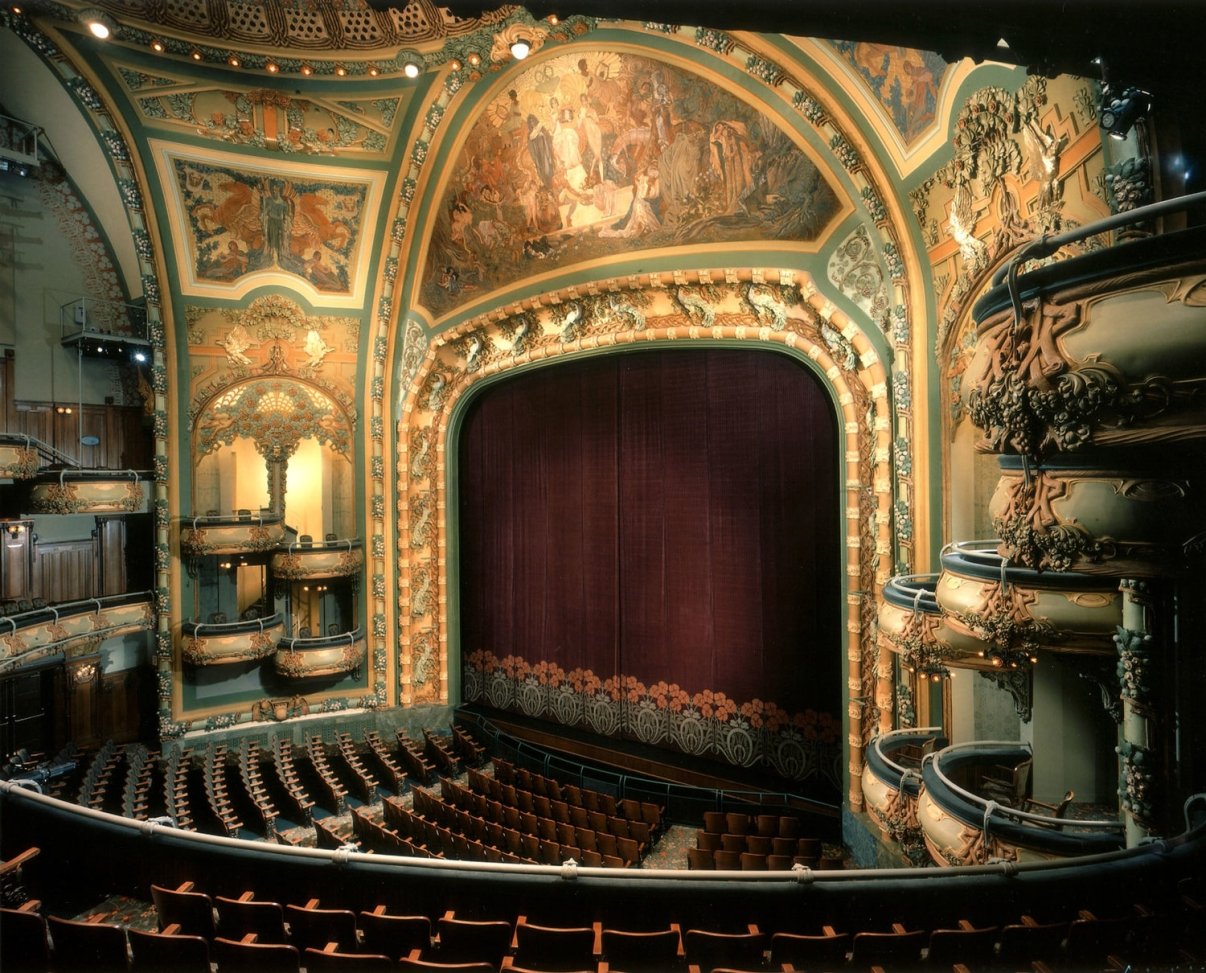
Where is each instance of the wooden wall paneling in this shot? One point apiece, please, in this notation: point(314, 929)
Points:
point(84, 703)
point(136, 439)
point(111, 555)
point(120, 712)
point(16, 562)
point(35, 419)
point(65, 570)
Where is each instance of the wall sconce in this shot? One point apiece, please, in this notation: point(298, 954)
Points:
point(63, 410)
point(12, 534)
point(83, 674)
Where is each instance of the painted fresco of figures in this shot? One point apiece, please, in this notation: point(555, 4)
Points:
point(584, 156)
point(242, 222)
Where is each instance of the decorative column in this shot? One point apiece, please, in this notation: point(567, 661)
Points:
point(1137, 771)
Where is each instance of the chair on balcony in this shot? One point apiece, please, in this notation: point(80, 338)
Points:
point(467, 941)
point(1008, 785)
point(415, 962)
point(708, 950)
point(553, 947)
point(23, 942)
point(807, 952)
point(253, 957)
point(642, 952)
point(313, 928)
point(315, 960)
point(1059, 811)
point(897, 949)
point(239, 917)
point(912, 754)
point(968, 945)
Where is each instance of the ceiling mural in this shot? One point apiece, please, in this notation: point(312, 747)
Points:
point(595, 153)
point(905, 81)
point(239, 223)
point(265, 118)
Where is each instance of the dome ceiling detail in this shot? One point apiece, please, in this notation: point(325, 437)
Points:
point(595, 153)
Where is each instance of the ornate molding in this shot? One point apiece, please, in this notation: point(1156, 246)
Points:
point(1019, 683)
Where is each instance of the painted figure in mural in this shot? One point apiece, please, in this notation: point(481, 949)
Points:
point(276, 214)
point(319, 274)
point(733, 158)
point(232, 264)
point(540, 148)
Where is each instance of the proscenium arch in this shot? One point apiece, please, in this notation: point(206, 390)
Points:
point(747, 310)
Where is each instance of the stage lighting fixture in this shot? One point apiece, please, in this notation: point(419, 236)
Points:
point(1120, 111)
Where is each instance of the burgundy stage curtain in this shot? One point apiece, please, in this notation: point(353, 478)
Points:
point(671, 515)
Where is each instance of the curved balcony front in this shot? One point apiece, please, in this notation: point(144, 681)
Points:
point(19, 458)
point(328, 559)
point(961, 826)
point(1126, 513)
point(1105, 350)
point(893, 781)
point(34, 635)
point(912, 625)
point(1012, 612)
point(88, 492)
point(230, 643)
point(332, 655)
point(240, 533)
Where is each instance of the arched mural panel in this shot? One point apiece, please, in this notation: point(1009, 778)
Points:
point(592, 153)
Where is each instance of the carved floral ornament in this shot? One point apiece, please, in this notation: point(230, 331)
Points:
point(276, 413)
point(777, 308)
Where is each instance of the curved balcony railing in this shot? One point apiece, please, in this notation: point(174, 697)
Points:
point(228, 643)
point(22, 456)
point(1014, 610)
point(1085, 375)
point(895, 757)
point(1011, 826)
point(1121, 512)
point(242, 532)
point(80, 491)
point(303, 658)
point(39, 633)
point(332, 558)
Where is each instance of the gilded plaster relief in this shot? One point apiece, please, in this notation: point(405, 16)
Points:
point(308, 359)
point(264, 118)
point(240, 225)
point(596, 153)
point(775, 308)
point(854, 269)
point(905, 81)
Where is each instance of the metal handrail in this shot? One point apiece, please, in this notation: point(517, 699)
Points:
point(877, 742)
point(992, 807)
point(65, 606)
point(32, 442)
point(330, 641)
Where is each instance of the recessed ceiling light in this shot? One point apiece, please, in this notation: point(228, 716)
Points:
point(411, 69)
point(341, 70)
point(373, 70)
point(455, 64)
point(196, 55)
point(307, 70)
point(157, 46)
point(474, 59)
point(272, 67)
point(233, 61)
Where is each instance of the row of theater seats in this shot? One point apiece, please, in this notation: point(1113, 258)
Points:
point(244, 933)
point(565, 803)
point(522, 835)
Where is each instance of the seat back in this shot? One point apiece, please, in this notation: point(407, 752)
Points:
point(237, 918)
point(805, 952)
point(883, 948)
point(87, 946)
point(255, 957)
point(708, 950)
point(153, 952)
point(1020, 944)
point(971, 947)
point(317, 959)
point(318, 927)
point(462, 940)
point(554, 948)
point(638, 952)
point(193, 912)
point(415, 962)
point(23, 942)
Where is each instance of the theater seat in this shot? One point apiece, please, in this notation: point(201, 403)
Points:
point(155, 952)
point(328, 959)
point(415, 962)
point(87, 946)
point(23, 941)
point(255, 957)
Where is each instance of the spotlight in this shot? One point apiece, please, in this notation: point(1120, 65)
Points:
point(1119, 112)
point(520, 48)
point(140, 356)
point(99, 23)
